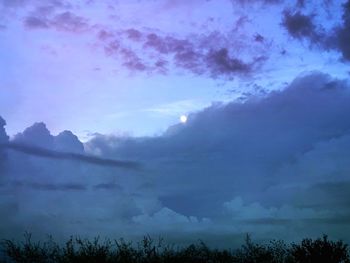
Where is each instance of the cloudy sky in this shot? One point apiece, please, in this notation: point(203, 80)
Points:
point(91, 96)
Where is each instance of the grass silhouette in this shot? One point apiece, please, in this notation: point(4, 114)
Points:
point(78, 250)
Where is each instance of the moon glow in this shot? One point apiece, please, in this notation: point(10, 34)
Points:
point(183, 118)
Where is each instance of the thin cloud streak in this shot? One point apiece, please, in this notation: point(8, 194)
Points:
point(41, 152)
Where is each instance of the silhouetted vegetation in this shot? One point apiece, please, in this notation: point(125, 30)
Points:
point(78, 250)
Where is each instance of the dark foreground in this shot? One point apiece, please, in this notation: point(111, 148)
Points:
point(320, 250)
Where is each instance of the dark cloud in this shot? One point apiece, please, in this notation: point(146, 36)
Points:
point(132, 61)
point(343, 33)
point(3, 136)
point(104, 35)
point(302, 26)
point(46, 153)
point(220, 62)
point(244, 2)
point(259, 38)
point(44, 17)
point(112, 48)
point(299, 25)
point(274, 164)
point(3, 139)
point(36, 135)
point(50, 186)
point(58, 187)
point(133, 34)
point(241, 21)
point(37, 140)
point(107, 186)
point(199, 54)
point(300, 3)
point(239, 143)
point(35, 23)
point(66, 141)
point(214, 54)
point(67, 21)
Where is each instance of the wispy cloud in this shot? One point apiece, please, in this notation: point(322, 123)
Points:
point(177, 108)
point(213, 55)
point(46, 153)
point(64, 21)
point(302, 26)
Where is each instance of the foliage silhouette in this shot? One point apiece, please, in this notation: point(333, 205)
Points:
point(79, 250)
point(320, 250)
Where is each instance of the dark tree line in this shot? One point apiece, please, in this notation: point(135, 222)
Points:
point(76, 250)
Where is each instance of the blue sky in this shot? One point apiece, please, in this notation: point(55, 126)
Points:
point(55, 53)
point(264, 84)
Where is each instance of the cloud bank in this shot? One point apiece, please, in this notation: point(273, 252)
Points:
point(37, 141)
point(275, 166)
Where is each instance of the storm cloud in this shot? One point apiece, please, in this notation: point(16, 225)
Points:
point(38, 141)
point(267, 164)
point(248, 142)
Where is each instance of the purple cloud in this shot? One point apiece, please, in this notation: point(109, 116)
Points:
point(302, 26)
point(67, 21)
point(133, 34)
point(219, 62)
point(211, 55)
point(33, 22)
point(299, 25)
point(243, 2)
point(43, 18)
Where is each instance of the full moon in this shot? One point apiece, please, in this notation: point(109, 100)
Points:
point(183, 118)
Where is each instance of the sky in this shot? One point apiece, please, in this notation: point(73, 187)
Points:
point(187, 119)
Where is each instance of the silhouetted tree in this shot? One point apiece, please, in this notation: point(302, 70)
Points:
point(320, 250)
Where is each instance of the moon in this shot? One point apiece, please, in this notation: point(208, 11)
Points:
point(183, 118)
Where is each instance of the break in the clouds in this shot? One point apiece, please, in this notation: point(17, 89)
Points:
point(275, 166)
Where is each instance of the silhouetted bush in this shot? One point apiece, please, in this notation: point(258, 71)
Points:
point(78, 250)
point(319, 250)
